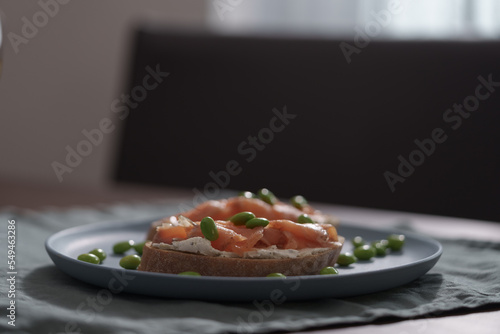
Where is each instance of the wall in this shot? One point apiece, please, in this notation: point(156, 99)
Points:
point(60, 78)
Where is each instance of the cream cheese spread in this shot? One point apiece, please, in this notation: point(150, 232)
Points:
point(199, 245)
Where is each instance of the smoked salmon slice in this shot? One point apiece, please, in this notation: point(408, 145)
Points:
point(282, 233)
point(226, 208)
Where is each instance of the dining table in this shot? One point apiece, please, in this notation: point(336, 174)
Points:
point(459, 294)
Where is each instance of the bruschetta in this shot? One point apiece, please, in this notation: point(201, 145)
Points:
point(231, 247)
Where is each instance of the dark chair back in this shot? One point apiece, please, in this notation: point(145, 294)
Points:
point(410, 126)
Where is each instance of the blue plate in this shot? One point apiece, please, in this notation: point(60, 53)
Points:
point(418, 256)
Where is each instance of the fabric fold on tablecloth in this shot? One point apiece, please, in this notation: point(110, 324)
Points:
point(49, 301)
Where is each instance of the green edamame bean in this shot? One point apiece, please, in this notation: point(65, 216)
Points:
point(364, 252)
point(122, 246)
point(267, 196)
point(395, 241)
point(242, 217)
point(346, 259)
point(279, 275)
point(90, 258)
point(257, 222)
point(298, 201)
point(358, 241)
point(189, 273)
point(380, 248)
point(383, 242)
point(329, 271)
point(247, 194)
point(99, 253)
point(305, 219)
point(139, 247)
point(130, 261)
point(209, 229)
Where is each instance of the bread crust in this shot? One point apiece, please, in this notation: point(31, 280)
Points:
point(174, 262)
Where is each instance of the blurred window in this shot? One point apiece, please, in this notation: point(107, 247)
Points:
point(412, 19)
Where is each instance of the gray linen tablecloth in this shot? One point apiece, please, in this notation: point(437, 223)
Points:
point(48, 301)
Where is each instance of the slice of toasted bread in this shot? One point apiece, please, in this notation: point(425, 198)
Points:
point(174, 262)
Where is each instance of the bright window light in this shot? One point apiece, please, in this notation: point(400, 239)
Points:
point(399, 19)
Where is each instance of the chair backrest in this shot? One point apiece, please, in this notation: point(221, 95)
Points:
point(409, 126)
